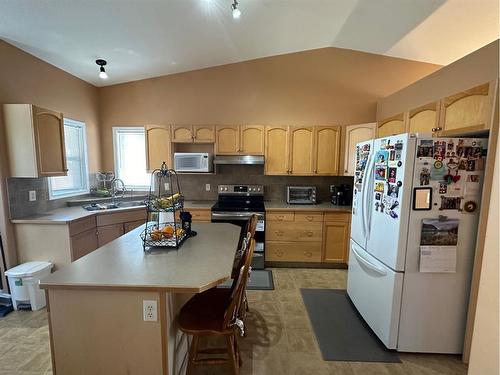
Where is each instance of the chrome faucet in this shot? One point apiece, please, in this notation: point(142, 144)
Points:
point(113, 189)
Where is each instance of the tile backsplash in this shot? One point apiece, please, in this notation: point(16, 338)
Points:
point(192, 186)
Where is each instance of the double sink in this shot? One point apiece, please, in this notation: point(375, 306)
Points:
point(112, 206)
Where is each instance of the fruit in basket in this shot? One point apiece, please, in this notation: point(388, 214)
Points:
point(156, 235)
point(168, 231)
point(179, 232)
point(168, 202)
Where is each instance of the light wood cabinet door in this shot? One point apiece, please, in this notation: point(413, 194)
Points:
point(158, 148)
point(48, 127)
point(131, 225)
point(108, 233)
point(327, 150)
point(424, 119)
point(227, 140)
point(355, 134)
point(293, 251)
point(391, 126)
point(335, 242)
point(252, 140)
point(277, 150)
point(203, 133)
point(83, 243)
point(301, 150)
point(467, 111)
point(182, 133)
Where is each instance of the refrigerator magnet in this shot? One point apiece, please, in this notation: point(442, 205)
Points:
point(380, 173)
point(392, 175)
point(393, 191)
point(450, 203)
point(443, 187)
point(425, 176)
point(381, 157)
point(425, 149)
point(422, 198)
point(379, 186)
point(470, 206)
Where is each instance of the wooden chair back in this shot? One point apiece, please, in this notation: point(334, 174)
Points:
point(238, 287)
point(252, 225)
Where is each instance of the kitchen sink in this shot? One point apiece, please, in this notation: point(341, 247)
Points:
point(111, 206)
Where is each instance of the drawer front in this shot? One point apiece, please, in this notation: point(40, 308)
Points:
point(295, 231)
point(280, 216)
point(344, 217)
point(311, 217)
point(197, 214)
point(83, 244)
point(293, 251)
point(127, 227)
point(121, 217)
point(82, 225)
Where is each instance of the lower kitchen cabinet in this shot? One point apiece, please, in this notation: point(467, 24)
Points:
point(83, 243)
point(307, 237)
point(108, 233)
point(335, 242)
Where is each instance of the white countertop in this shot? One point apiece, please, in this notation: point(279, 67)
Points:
point(200, 263)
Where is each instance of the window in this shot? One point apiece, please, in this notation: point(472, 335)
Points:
point(77, 180)
point(130, 157)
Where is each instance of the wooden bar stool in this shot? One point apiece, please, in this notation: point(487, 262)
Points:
point(216, 314)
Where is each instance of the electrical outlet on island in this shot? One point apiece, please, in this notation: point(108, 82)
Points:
point(150, 312)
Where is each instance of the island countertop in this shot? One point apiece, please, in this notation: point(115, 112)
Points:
point(201, 262)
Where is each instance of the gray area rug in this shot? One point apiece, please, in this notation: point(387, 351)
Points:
point(341, 332)
point(259, 280)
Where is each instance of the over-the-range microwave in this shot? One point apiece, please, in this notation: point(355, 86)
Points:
point(193, 162)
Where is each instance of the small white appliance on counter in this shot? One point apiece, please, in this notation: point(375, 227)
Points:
point(414, 224)
point(202, 162)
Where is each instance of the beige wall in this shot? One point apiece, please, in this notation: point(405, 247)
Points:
point(323, 86)
point(26, 79)
point(484, 358)
point(472, 70)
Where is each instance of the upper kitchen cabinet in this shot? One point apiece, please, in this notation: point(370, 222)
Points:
point(354, 134)
point(239, 140)
point(301, 150)
point(193, 133)
point(326, 150)
point(252, 140)
point(277, 150)
point(35, 141)
point(424, 119)
point(158, 147)
point(467, 111)
point(391, 126)
point(227, 140)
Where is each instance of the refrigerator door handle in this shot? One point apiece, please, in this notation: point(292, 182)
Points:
point(364, 191)
point(369, 193)
point(368, 264)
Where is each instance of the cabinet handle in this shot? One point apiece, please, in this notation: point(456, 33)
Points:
point(279, 233)
point(280, 217)
point(308, 254)
point(345, 171)
point(279, 253)
point(309, 233)
point(315, 171)
point(437, 129)
point(309, 218)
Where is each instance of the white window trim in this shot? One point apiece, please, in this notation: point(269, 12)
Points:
point(125, 129)
point(86, 189)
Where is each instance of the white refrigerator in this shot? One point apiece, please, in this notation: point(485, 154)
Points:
point(415, 212)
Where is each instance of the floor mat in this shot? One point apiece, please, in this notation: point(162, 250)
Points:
point(259, 280)
point(341, 333)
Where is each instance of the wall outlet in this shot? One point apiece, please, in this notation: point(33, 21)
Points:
point(32, 195)
point(150, 312)
point(207, 187)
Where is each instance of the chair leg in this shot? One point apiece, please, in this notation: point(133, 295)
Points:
point(247, 308)
point(192, 355)
point(233, 360)
point(237, 350)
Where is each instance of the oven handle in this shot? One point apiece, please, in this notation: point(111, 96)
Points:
point(234, 215)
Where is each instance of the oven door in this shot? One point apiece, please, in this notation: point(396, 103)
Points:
point(240, 219)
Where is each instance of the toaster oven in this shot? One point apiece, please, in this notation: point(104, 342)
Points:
point(301, 195)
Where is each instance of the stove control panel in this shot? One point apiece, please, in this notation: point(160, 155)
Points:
point(241, 190)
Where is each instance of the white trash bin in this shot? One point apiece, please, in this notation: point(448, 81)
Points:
point(23, 283)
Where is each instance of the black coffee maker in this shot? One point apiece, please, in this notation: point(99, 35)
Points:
point(341, 195)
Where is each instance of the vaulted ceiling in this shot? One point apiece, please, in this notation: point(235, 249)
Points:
point(148, 38)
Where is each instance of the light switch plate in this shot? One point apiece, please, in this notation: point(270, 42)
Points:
point(32, 195)
point(207, 187)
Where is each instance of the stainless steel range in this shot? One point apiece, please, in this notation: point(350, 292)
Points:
point(235, 205)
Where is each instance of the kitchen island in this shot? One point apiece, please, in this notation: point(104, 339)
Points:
point(95, 305)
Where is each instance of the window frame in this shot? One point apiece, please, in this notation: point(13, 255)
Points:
point(85, 189)
point(133, 130)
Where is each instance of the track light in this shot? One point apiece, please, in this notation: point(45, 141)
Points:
point(236, 11)
point(102, 71)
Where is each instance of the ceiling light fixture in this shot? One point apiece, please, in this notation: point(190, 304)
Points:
point(102, 71)
point(236, 11)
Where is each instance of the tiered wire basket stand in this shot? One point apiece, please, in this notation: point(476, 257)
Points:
point(164, 204)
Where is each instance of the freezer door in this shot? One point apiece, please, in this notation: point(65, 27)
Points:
point(375, 290)
point(363, 154)
point(434, 305)
point(388, 203)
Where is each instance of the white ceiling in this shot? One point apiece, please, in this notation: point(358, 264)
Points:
point(148, 38)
